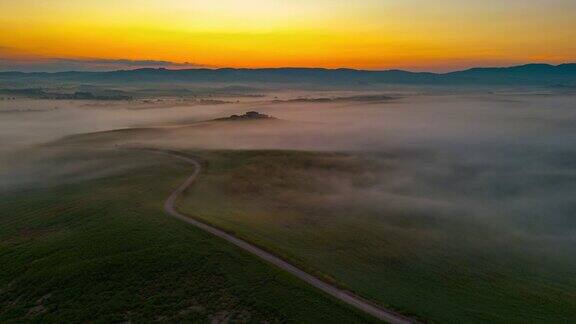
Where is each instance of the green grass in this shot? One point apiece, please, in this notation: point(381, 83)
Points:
point(316, 209)
point(102, 250)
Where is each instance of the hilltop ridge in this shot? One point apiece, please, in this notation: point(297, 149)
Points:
point(529, 74)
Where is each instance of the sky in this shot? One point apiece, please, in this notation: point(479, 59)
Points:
point(417, 35)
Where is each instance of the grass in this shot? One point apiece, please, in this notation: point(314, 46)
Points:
point(320, 211)
point(101, 249)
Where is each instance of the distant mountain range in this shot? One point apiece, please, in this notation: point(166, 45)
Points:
point(563, 75)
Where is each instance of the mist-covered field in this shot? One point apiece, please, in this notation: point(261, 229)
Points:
point(437, 245)
point(446, 204)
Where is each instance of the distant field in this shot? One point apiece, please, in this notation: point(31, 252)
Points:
point(321, 211)
point(102, 250)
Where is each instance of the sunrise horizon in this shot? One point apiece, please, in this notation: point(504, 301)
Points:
point(57, 65)
point(412, 35)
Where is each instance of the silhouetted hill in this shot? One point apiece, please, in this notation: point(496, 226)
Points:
point(523, 74)
point(531, 74)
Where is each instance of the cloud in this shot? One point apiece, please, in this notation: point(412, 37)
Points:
point(124, 62)
point(92, 64)
point(4, 50)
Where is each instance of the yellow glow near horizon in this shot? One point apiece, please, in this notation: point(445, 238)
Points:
point(371, 34)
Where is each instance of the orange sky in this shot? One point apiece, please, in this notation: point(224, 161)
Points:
point(370, 34)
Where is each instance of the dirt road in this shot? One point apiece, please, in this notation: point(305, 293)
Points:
point(343, 295)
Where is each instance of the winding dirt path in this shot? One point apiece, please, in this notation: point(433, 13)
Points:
point(341, 294)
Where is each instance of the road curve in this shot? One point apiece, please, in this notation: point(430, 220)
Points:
point(341, 294)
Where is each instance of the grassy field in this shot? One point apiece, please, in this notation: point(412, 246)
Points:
point(101, 249)
point(319, 210)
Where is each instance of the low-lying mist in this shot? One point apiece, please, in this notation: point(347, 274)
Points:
point(503, 159)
